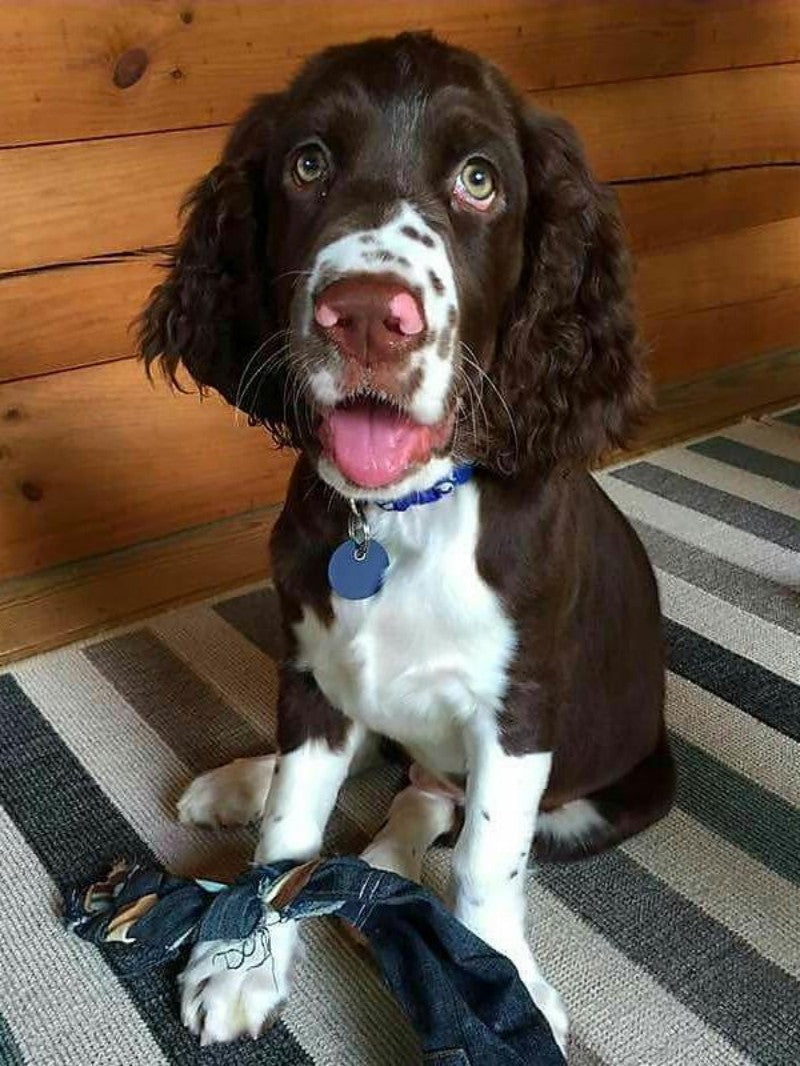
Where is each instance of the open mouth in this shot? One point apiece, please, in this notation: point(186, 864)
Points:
point(373, 444)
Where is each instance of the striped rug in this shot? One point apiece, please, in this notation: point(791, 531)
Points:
point(681, 948)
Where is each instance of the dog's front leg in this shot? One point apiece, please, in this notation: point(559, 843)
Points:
point(227, 990)
point(491, 856)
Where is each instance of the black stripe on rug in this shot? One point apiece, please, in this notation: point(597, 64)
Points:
point(752, 688)
point(715, 973)
point(80, 835)
point(753, 460)
point(750, 517)
point(737, 809)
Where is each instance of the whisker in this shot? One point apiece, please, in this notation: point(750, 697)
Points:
point(485, 377)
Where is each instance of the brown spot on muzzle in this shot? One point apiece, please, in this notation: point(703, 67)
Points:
point(415, 235)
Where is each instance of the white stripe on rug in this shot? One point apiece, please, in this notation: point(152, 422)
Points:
point(55, 986)
point(731, 479)
point(744, 549)
point(737, 739)
point(765, 643)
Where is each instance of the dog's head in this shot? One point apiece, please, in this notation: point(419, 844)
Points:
point(398, 264)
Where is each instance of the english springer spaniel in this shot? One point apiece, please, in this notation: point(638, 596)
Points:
point(409, 275)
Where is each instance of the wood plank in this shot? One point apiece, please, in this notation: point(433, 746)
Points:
point(661, 214)
point(66, 203)
point(735, 267)
point(206, 58)
point(83, 315)
point(699, 122)
point(698, 407)
point(95, 459)
point(690, 344)
point(80, 600)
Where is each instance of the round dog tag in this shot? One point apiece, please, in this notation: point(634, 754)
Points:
point(357, 573)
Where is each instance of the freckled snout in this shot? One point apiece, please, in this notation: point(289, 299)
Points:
point(370, 320)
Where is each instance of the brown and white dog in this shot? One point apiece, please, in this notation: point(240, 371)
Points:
point(398, 267)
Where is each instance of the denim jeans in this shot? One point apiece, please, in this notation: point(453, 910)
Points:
point(465, 1001)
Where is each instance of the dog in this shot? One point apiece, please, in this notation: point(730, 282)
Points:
point(408, 274)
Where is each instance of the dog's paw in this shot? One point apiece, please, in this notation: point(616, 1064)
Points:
point(229, 990)
point(552, 1007)
point(234, 794)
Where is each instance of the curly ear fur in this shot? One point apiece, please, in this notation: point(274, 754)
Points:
point(569, 363)
point(211, 312)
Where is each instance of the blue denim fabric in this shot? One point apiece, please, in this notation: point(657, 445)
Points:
point(465, 1001)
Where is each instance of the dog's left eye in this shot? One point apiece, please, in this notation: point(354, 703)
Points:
point(476, 184)
point(310, 164)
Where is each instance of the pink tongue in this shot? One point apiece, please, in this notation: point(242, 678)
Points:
point(374, 446)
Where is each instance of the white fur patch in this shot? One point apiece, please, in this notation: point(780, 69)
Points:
point(574, 821)
point(431, 649)
point(416, 260)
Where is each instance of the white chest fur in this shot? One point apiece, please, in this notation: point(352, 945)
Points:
point(431, 649)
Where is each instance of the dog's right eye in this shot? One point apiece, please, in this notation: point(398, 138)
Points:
point(310, 164)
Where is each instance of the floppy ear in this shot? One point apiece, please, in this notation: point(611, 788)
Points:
point(569, 364)
point(213, 313)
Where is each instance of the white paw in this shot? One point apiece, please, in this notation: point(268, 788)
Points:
point(541, 992)
point(230, 795)
point(552, 1007)
point(494, 928)
point(228, 990)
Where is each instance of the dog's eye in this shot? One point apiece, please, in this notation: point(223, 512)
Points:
point(476, 184)
point(310, 164)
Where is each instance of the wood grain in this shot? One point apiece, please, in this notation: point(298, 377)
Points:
point(734, 267)
point(206, 58)
point(80, 315)
point(67, 203)
point(661, 214)
point(95, 459)
point(691, 124)
point(690, 344)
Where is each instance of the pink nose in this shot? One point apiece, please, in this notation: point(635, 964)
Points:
point(370, 319)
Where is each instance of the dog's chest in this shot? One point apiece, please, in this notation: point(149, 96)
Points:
point(431, 648)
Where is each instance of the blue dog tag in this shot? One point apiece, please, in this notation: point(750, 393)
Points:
point(357, 573)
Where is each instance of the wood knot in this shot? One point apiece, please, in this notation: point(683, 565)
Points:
point(129, 67)
point(187, 17)
point(31, 491)
point(12, 414)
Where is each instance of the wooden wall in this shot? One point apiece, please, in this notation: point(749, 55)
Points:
point(110, 109)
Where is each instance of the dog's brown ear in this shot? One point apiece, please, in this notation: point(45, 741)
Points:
point(212, 313)
point(570, 366)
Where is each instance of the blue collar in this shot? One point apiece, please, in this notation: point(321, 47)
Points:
point(443, 487)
